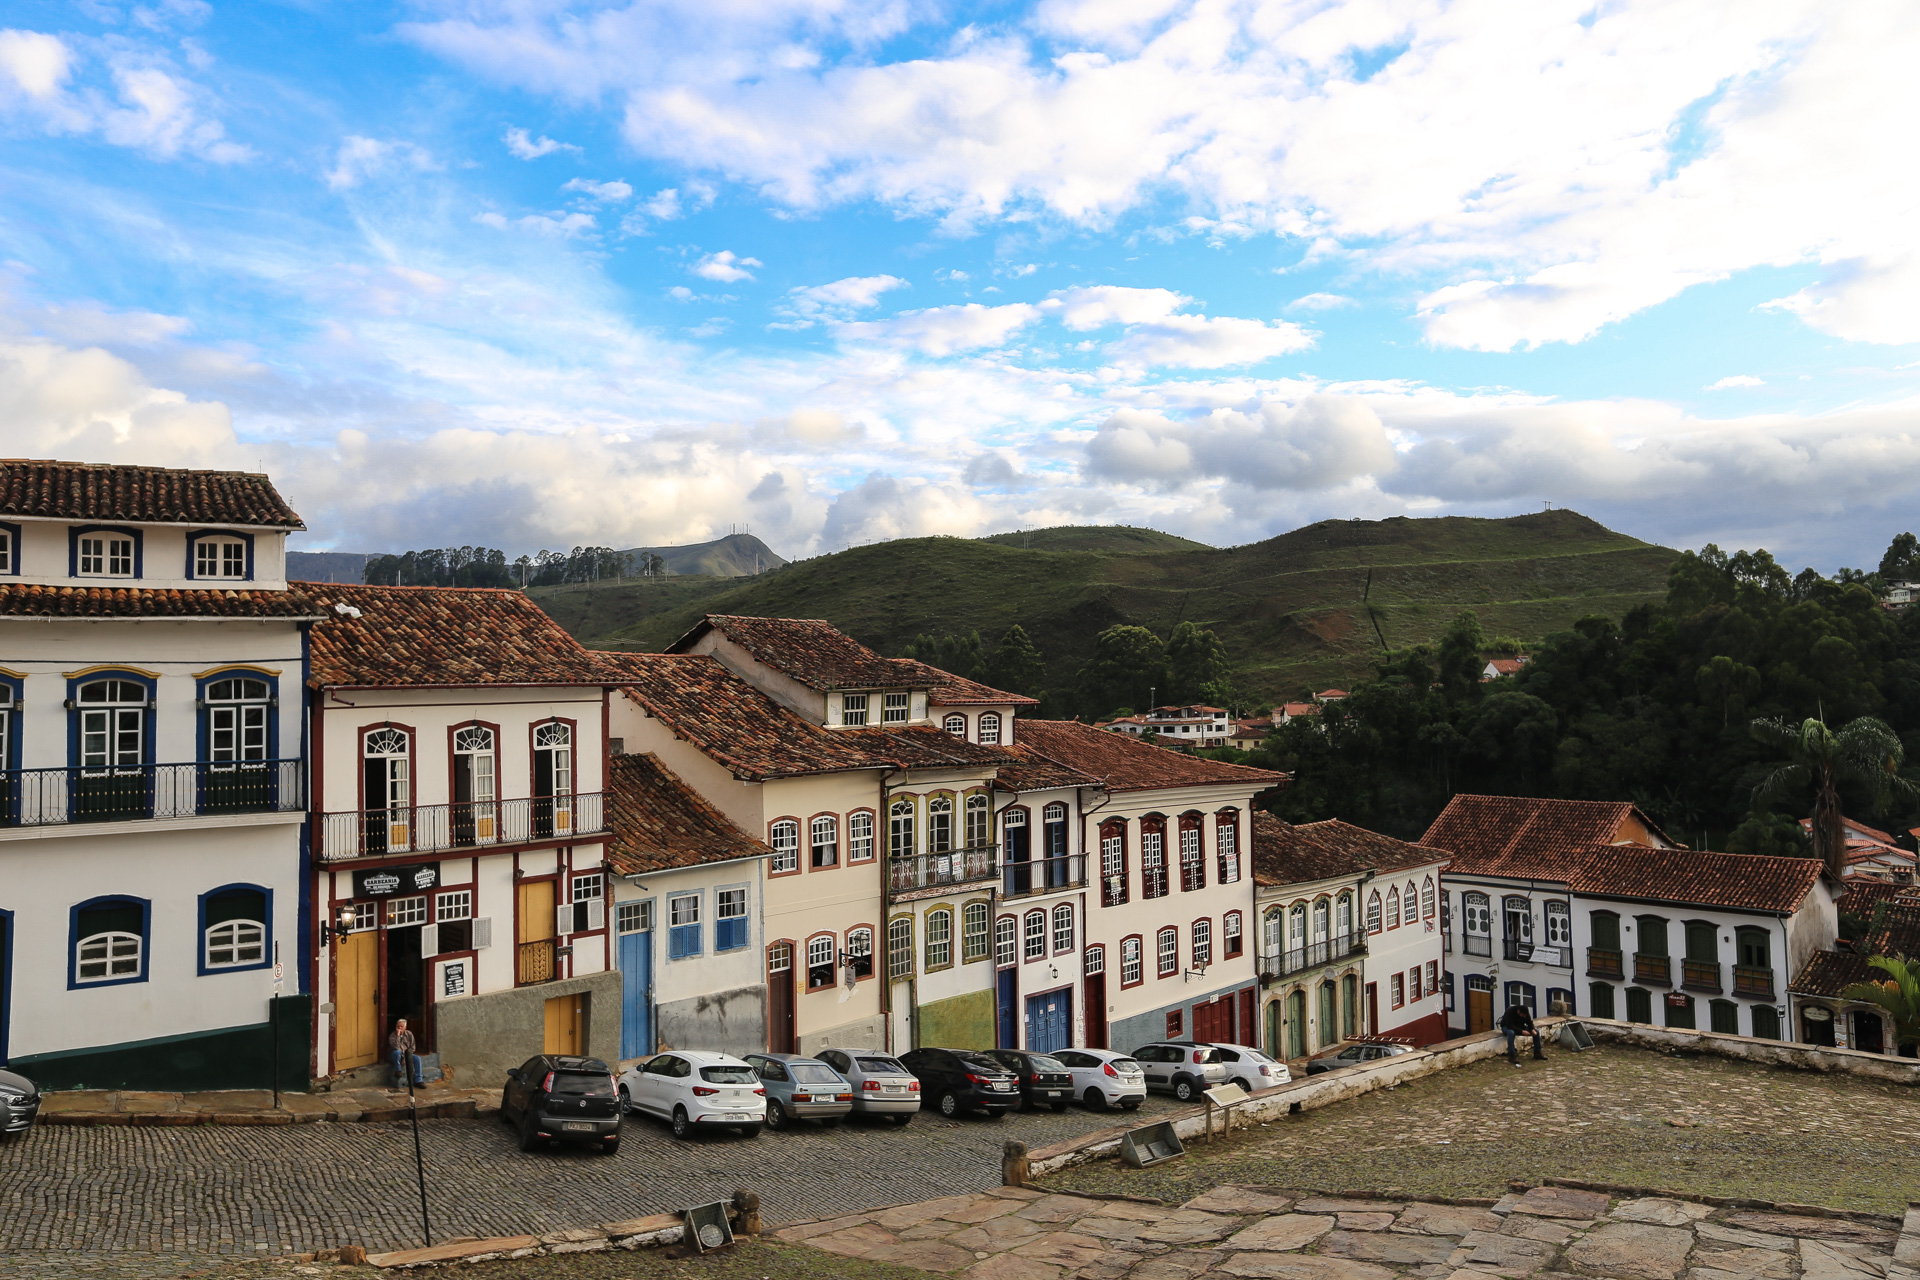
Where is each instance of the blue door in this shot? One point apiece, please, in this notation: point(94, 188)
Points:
point(636, 979)
point(1049, 1021)
point(1008, 994)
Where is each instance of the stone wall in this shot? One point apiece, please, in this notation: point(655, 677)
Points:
point(481, 1038)
point(725, 1021)
point(1806, 1057)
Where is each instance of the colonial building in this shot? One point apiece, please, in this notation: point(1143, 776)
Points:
point(1822, 1012)
point(458, 833)
point(151, 780)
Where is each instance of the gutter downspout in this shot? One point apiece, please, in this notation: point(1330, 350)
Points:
point(882, 855)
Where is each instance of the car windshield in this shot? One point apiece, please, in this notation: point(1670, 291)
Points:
point(1126, 1064)
point(883, 1067)
point(576, 1084)
point(1041, 1062)
point(729, 1075)
point(813, 1073)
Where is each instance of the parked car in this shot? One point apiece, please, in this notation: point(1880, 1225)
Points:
point(801, 1088)
point(1353, 1055)
point(1105, 1078)
point(882, 1086)
point(1252, 1069)
point(963, 1080)
point(1181, 1069)
point(695, 1090)
point(558, 1098)
point(19, 1103)
point(1044, 1079)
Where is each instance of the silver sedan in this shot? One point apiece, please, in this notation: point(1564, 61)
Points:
point(881, 1085)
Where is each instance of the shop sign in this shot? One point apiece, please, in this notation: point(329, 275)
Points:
point(1679, 1000)
point(384, 882)
point(1814, 1013)
point(453, 978)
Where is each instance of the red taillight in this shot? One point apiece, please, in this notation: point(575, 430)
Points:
point(870, 1086)
point(759, 1093)
point(913, 1087)
point(978, 1079)
point(546, 1086)
point(1199, 1057)
point(701, 1091)
point(1108, 1068)
point(1035, 1077)
point(843, 1097)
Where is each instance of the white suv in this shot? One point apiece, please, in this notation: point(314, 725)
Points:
point(1251, 1069)
point(695, 1090)
point(1104, 1078)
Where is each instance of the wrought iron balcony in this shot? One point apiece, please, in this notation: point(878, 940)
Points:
point(1279, 964)
point(938, 870)
point(1043, 875)
point(1749, 981)
point(131, 793)
point(1516, 949)
point(1653, 969)
point(437, 828)
point(1700, 975)
point(1604, 962)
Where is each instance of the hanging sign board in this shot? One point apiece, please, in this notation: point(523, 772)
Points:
point(384, 882)
point(1678, 999)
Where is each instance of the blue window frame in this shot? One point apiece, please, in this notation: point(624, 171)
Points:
point(107, 941)
point(236, 929)
point(219, 555)
point(730, 931)
point(87, 693)
point(1522, 993)
point(96, 551)
point(683, 926)
point(239, 715)
point(9, 550)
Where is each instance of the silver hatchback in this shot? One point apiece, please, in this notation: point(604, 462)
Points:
point(882, 1086)
point(1185, 1070)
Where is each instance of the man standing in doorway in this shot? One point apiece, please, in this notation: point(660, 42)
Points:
point(1517, 1021)
point(401, 1053)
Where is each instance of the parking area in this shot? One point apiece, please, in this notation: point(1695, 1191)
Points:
point(209, 1190)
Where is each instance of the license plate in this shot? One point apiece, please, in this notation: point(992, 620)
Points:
point(1001, 1084)
point(1054, 1093)
point(896, 1088)
point(579, 1126)
point(819, 1097)
point(739, 1115)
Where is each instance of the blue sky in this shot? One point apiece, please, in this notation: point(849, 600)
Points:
point(537, 274)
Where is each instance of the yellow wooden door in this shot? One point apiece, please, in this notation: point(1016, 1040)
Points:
point(564, 1016)
point(356, 1000)
point(535, 959)
point(1479, 1010)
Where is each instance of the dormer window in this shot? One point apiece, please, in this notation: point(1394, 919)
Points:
point(106, 555)
point(853, 708)
point(893, 710)
point(219, 558)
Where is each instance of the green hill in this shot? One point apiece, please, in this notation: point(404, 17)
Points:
point(737, 555)
point(1306, 609)
point(1095, 537)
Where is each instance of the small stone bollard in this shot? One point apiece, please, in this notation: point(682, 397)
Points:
point(746, 1213)
point(1014, 1168)
point(353, 1255)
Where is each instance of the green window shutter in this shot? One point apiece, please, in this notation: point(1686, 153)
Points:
point(1606, 932)
point(1639, 1005)
point(1725, 1017)
point(1652, 934)
point(1703, 942)
point(1766, 1022)
point(1600, 999)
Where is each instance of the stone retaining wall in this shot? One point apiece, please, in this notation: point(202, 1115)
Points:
point(1805, 1057)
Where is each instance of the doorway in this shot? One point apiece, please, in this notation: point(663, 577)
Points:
point(780, 1028)
point(1868, 1035)
point(1296, 1024)
point(356, 1000)
point(566, 1024)
point(406, 984)
point(1479, 1004)
point(1247, 1028)
point(1009, 982)
point(6, 964)
point(1096, 1010)
point(535, 959)
point(1050, 1021)
point(634, 923)
point(1373, 1009)
point(1019, 852)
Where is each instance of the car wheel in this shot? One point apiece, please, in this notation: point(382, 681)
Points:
point(750, 1131)
point(506, 1112)
point(949, 1104)
point(1183, 1089)
point(1095, 1100)
point(610, 1148)
point(1248, 1085)
point(1058, 1107)
point(901, 1119)
point(626, 1101)
point(529, 1135)
point(682, 1126)
point(776, 1115)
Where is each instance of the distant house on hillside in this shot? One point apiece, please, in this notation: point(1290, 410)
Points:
point(1871, 853)
point(1291, 711)
point(1499, 667)
point(1329, 695)
point(1190, 726)
point(1248, 734)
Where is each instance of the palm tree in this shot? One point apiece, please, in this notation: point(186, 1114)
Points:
point(1864, 751)
point(1899, 995)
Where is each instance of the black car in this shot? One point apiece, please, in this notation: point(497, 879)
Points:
point(1044, 1080)
point(556, 1098)
point(19, 1103)
point(957, 1080)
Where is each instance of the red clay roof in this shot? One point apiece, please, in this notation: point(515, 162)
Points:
point(1122, 763)
point(428, 636)
point(25, 600)
point(1029, 771)
point(145, 495)
point(1861, 895)
point(1828, 973)
point(1737, 881)
point(811, 650)
point(944, 689)
point(1284, 854)
point(660, 823)
point(1522, 837)
point(922, 746)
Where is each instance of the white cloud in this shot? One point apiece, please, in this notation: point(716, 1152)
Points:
point(600, 192)
point(1733, 381)
point(1094, 306)
point(38, 64)
point(837, 300)
point(1203, 342)
point(1318, 443)
point(1320, 302)
point(150, 108)
point(725, 267)
point(524, 146)
point(359, 159)
point(944, 331)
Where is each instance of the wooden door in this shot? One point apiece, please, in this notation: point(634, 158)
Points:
point(1247, 1029)
point(1479, 1010)
point(356, 1000)
point(536, 931)
point(780, 1037)
point(1373, 1009)
point(1096, 1011)
point(565, 1016)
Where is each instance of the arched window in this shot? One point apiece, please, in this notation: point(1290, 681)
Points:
point(1373, 912)
point(940, 824)
point(784, 837)
point(1063, 927)
point(939, 938)
point(1113, 864)
point(1132, 972)
point(860, 837)
point(900, 947)
point(1035, 936)
point(234, 928)
point(1426, 898)
point(1410, 902)
point(1153, 857)
point(1343, 914)
point(823, 839)
point(979, 821)
point(973, 931)
point(1193, 863)
point(1230, 943)
point(1226, 838)
point(1202, 936)
point(1393, 908)
point(1006, 941)
point(237, 719)
point(1320, 907)
point(1095, 962)
point(860, 952)
point(552, 779)
point(1753, 952)
point(989, 729)
point(820, 962)
point(955, 725)
point(1272, 936)
point(900, 834)
point(1517, 916)
point(1167, 952)
point(387, 790)
point(1297, 926)
point(109, 941)
point(1478, 910)
point(475, 785)
point(113, 724)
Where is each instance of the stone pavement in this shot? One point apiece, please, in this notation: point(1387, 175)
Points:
point(255, 1107)
point(1262, 1233)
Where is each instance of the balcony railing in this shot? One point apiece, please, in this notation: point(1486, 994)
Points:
point(1701, 975)
point(1604, 962)
point(1516, 949)
point(1749, 981)
point(1043, 875)
point(1477, 944)
point(536, 961)
point(934, 870)
point(1654, 969)
point(434, 828)
point(1278, 964)
point(129, 793)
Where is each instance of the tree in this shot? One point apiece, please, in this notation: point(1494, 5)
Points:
point(1902, 561)
point(1772, 835)
point(1728, 684)
point(1016, 665)
point(1197, 665)
point(1128, 666)
point(958, 655)
point(1459, 657)
point(1864, 752)
point(1899, 995)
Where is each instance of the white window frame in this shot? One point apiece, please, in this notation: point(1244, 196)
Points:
point(900, 947)
point(1226, 839)
point(410, 910)
point(1095, 960)
point(823, 832)
point(633, 917)
point(219, 559)
point(1006, 941)
point(1064, 934)
point(238, 936)
point(784, 838)
point(1034, 936)
point(105, 555)
point(120, 956)
point(1230, 930)
point(6, 551)
point(860, 837)
point(1202, 942)
point(956, 725)
point(901, 838)
point(939, 938)
point(976, 932)
point(894, 707)
point(453, 904)
point(1133, 969)
point(853, 709)
point(990, 729)
point(1166, 950)
point(730, 902)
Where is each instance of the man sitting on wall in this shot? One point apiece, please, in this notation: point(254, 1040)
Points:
point(401, 1047)
point(1517, 1021)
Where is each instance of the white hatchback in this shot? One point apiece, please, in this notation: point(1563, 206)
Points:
point(1251, 1069)
point(694, 1090)
point(1104, 1078)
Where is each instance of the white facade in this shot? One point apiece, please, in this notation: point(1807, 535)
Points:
point(1509, 941)
point(1406, 960)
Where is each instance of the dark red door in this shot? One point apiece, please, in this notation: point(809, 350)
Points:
point(1247, 1033)
point(1096, 1011)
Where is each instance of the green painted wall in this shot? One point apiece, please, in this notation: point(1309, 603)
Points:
point(959, 1022)
point(230, 1058)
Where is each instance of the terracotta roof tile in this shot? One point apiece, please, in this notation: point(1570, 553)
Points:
point(1122, 763)
point(1524, 837)
point(924, 747)
point(1739, 881)
point(1828, 973)
point(427, 636)
point(146, 495)
point(1284, 854)
point(944, 689)
point(26, 600)
point(660, 823)
point(1027, 770)
point(1862, 895)
point(811, 650)
point(1899, 931)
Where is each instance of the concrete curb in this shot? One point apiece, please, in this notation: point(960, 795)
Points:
point(461, 1109)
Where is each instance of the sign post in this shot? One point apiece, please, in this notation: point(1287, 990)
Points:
point(273, 1016)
